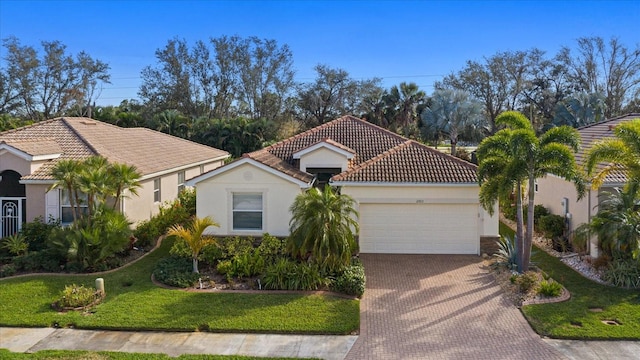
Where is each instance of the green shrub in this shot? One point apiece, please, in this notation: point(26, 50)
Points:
point(509, 212)
point(16, 244)
point(272, 248)
point(551, 225)
point(285, 274)
point(527, 281)
point(623, 273)
point(235, 245)
point(176, 271)
point(178, 211)
point(538, 212)
point(74, 296)
point(550, 288)
point(225, 267)
point(37, 232)
point(44, 260)
point(247, 264)
point(7, 270)
point(211, 253)
point(351, 281)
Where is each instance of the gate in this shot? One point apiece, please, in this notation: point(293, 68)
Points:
point(10, 215)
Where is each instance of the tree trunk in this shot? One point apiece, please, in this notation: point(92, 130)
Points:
point(519, 241)
point(529, 234)
point(195, 265)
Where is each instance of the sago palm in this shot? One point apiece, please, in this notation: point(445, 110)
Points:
point(514, 158)
point(323, 225)
point(194, 236)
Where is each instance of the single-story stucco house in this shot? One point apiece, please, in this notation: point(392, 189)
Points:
point(411, 198)
point(28, 154)
point(560, 196)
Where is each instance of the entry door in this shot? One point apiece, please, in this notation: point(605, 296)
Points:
point(10, 216)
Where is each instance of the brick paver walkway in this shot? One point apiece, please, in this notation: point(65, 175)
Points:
point(440, 307)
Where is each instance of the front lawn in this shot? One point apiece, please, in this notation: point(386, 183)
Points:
point(133, 302)
point(106, 355)
point(590, 306)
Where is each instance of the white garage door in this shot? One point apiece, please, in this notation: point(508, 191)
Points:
point(419, 228)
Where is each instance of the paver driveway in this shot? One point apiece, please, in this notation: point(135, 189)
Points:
point(440, 307)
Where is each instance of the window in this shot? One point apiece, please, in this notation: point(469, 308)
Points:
point(180, 181)
point(201, 169)
point(66, 210)
point(323, 175)
point(156, 190)
point(247, 211)
point(535, 186)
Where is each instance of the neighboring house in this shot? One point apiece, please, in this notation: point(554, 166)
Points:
point(560, 196)
point(28, 154)
point(411, 198)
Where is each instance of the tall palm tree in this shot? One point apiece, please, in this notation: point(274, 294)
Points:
point(621, 153)
point(323, 224)
point(93, 181)
point(453, 113)
point(194, 236)
point(513, 158)
point(66, 172)
point(123, 177)
point(405, 100)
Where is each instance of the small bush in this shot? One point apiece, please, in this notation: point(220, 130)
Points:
point(272, 248)
point(176, 271)
point(506, 254)
point(538, 212)
point(247, 264)
point(288, 275)
point(623, 273)
point(178, 211)
point(16, 244)
point(551, 225)
point(7, 270)
point(37, 232)
point(351, 281)
point(45, 260)
point(550, 288)
point(74, 296)
point(527, 281)
point(235, 245)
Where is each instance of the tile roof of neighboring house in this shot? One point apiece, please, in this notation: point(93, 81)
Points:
point(148, 150)
point(380, 155)
point(35, 147)
point(598, 131)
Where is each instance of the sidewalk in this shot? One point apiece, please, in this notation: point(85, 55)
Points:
point(177, 343)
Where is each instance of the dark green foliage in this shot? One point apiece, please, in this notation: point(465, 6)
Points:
point(37, 232)
point(623, 272)
point(178, 211)
point(551, 225)
point(272, 248)
point(211, 253)
point(550, 288)
point(45, 260)
point(538, 212)
point(7, 270)
point(243, 265)
point(235, 245)
point(175, 271)
point(351, 281)
point(289, 275)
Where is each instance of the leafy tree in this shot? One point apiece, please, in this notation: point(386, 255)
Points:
point(323, 225)
point(514, 158)
point(579, 110)
point(41, 86)
point(620, 153)
point(194, 236)
point(605, 67)
point(454, 113)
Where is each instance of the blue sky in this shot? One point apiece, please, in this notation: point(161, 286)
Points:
point(412, 41)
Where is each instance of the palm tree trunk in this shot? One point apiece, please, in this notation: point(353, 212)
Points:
point(74, 205)
point(195, 265)
point(529, 235)
point(520, 242)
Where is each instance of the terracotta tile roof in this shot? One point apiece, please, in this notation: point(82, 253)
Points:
point(380, 155)
point(35, 147)
point(411, 162)
point(598, 131)
point(148, 150)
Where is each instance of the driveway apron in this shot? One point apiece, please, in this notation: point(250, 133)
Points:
point(440, 307)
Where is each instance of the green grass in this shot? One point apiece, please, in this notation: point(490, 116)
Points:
point(133, 302)
point(576, 318)
point(106, 355)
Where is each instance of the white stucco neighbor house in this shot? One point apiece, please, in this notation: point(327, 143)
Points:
point(28, 154)
point(560, 196)
point(411, 198)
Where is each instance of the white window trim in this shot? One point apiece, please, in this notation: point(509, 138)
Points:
point(157, 190)
point(230, 211)
point(181, 182)
point(63, 205)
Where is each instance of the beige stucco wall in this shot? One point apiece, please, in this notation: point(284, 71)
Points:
point(35, 201)
point(437, 194)
point(215, 195)
point(9, 161)
point(323, 158)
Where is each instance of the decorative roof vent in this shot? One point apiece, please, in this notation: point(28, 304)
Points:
point(88, 122)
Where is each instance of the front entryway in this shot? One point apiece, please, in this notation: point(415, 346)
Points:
point(12, 203)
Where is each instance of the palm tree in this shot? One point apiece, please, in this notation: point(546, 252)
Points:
point(123, 177)
point(453, 113)
point(580, 110)
point(513, 158)
point(194, 236)
point(621, 153)
point(93, 181)
point(66, 172)
point(323, 225)
point(405, 100)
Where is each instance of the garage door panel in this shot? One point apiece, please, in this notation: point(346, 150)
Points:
point(419, 228)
